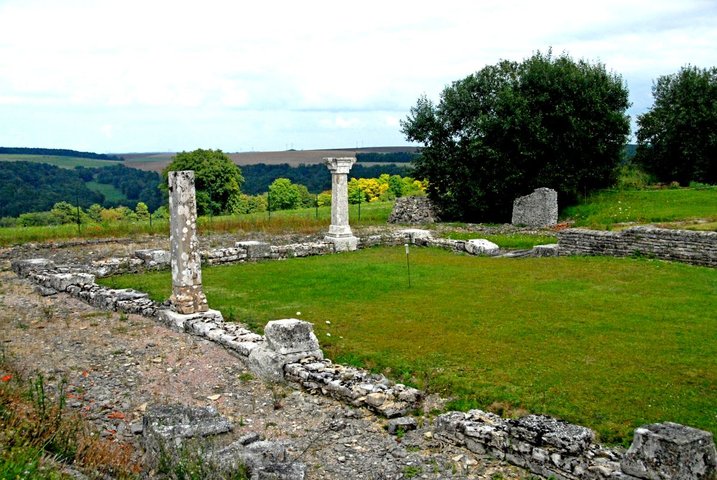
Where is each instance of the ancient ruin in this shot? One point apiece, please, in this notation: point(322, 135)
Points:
point(340, 234)
point(187, 294)
point(539, 209)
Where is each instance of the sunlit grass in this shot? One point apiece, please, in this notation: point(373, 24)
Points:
point(604, 342)
point(508, 240)
point(607, 208)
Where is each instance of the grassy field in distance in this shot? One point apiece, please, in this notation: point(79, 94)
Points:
point(62, 162)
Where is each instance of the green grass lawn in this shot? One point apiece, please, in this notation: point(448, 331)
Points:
point(609, 207)
point(62, 162)
point(604, 342)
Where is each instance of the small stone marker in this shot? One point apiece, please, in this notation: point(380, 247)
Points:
point(340, 233)
point(539, 209)
point(287, 341)
point(187, 294)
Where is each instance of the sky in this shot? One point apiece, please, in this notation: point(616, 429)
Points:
point(156, 75)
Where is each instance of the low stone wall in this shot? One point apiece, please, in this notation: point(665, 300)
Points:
point(553, 448)
point(696, 248)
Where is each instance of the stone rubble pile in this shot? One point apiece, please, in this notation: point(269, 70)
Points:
point(413, 210)
point(179, 434)
point(551, 447)
point(694, 247)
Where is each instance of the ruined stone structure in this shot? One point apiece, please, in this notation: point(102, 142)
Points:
point(413, 210)
point(554, 448)
point(187, 294)
point(539, 209)
point(340, 233)
point(290, 352)
point(696, 248)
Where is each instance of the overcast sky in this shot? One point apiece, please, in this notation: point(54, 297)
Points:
point(156, 75)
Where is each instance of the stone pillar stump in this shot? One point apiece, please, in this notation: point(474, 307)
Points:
point(187, 294)
point(340, 233)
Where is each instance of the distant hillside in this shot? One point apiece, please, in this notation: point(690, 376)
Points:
point(294, 158)
point(58, 152)
point(36, 187)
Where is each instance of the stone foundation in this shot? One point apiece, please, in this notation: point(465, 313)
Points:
point(696, 248)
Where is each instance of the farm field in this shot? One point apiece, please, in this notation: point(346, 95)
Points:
point(157, 161)
point(62, 162)
point(603, 342)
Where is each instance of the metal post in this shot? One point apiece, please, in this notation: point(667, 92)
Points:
point(408, 265)
point(316, 204)
point(78, 214)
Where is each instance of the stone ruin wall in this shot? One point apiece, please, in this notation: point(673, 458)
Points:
point(541, 444)
point(693, 247)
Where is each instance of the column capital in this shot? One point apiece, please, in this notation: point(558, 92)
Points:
point(339, 164)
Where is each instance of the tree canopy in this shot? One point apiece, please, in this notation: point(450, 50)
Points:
point(512, 127)
point(677, 137)
point(216, 178)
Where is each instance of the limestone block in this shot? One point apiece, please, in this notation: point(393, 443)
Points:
point(413, 234)
point(24, 267)
point(341, 244)
point(481, 246)
point(541, 429)
point(255, 249)
point(154, 257)
point(291, 336)
point(662, 451)
point(539, 209)
point(60, 281)
point(548, 250)
point(269, 365)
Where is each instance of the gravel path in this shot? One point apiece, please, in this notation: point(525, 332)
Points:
point(116, 365)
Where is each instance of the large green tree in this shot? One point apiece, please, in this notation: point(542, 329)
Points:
point(217, 180)
point(512, 127)
point(677, 138)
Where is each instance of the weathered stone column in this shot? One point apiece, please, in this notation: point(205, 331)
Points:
point(187, 295)
point(340, 232)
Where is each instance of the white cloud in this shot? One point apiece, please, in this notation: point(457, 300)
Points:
point(179, 61)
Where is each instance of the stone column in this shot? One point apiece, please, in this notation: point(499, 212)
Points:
point(340, 232)
point(187, 295)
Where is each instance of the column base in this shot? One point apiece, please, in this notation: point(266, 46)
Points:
point(342, 243)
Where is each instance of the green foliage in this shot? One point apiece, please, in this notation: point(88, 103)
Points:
point(606, 208)
point(316, 178)
point(384, 188)
point(35, 187)
point(217, 180)
point(677, 138)
point(283, 195)
point(510, 128)
point(544, 334)
point(142, 211)
point(412, 471)
point(632, 177)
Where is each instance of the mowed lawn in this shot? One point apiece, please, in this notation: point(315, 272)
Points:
point(603, 342)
